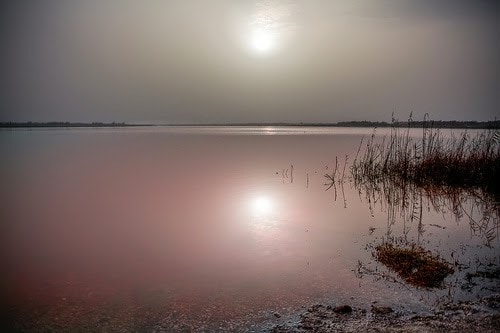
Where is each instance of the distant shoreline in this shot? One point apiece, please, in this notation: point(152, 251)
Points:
point(495, 124)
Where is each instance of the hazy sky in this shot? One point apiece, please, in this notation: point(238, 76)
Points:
point(187, 61)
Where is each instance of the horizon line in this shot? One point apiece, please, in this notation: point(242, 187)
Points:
point(350, 123)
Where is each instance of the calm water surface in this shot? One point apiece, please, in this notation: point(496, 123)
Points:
point(180, 228)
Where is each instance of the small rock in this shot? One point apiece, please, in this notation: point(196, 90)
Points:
point(306, 326)
point(381, 309)
point(342, 309)
point(277, 315)
point(316, 307)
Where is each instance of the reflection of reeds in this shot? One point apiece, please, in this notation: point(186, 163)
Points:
point(464, 162)
point(332, 179)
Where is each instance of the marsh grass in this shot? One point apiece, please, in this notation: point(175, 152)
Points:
point(465, 161)
point(455, 173)
point(407, 175)
point(417, 266)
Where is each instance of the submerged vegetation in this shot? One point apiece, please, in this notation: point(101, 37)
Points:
point(417, 266)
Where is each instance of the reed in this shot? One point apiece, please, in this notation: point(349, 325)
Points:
point(465, 161)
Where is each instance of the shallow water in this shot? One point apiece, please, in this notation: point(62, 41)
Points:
point(181, 228)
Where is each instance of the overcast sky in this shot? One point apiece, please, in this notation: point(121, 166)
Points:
point(203, 61)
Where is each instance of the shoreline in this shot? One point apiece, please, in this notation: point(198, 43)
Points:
point(482, 315)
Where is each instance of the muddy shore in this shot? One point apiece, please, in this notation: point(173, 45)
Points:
point(476, 316)
point(482, 315)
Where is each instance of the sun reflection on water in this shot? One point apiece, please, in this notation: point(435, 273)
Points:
point(264, 222)
point(262, 206)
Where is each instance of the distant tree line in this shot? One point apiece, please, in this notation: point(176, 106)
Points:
point(61, 124)
point(493, 124)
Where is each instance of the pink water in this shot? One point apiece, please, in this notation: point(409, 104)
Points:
point(190, 228)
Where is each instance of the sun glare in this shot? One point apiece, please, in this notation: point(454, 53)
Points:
point(262, 41)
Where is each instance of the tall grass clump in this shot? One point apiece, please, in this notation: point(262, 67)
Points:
point(469, 162)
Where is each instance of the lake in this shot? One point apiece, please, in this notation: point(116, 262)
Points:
point(212, 228)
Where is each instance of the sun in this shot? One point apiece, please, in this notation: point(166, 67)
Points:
point(262, 42)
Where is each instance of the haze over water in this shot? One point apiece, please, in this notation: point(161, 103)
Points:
point(182, 228)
